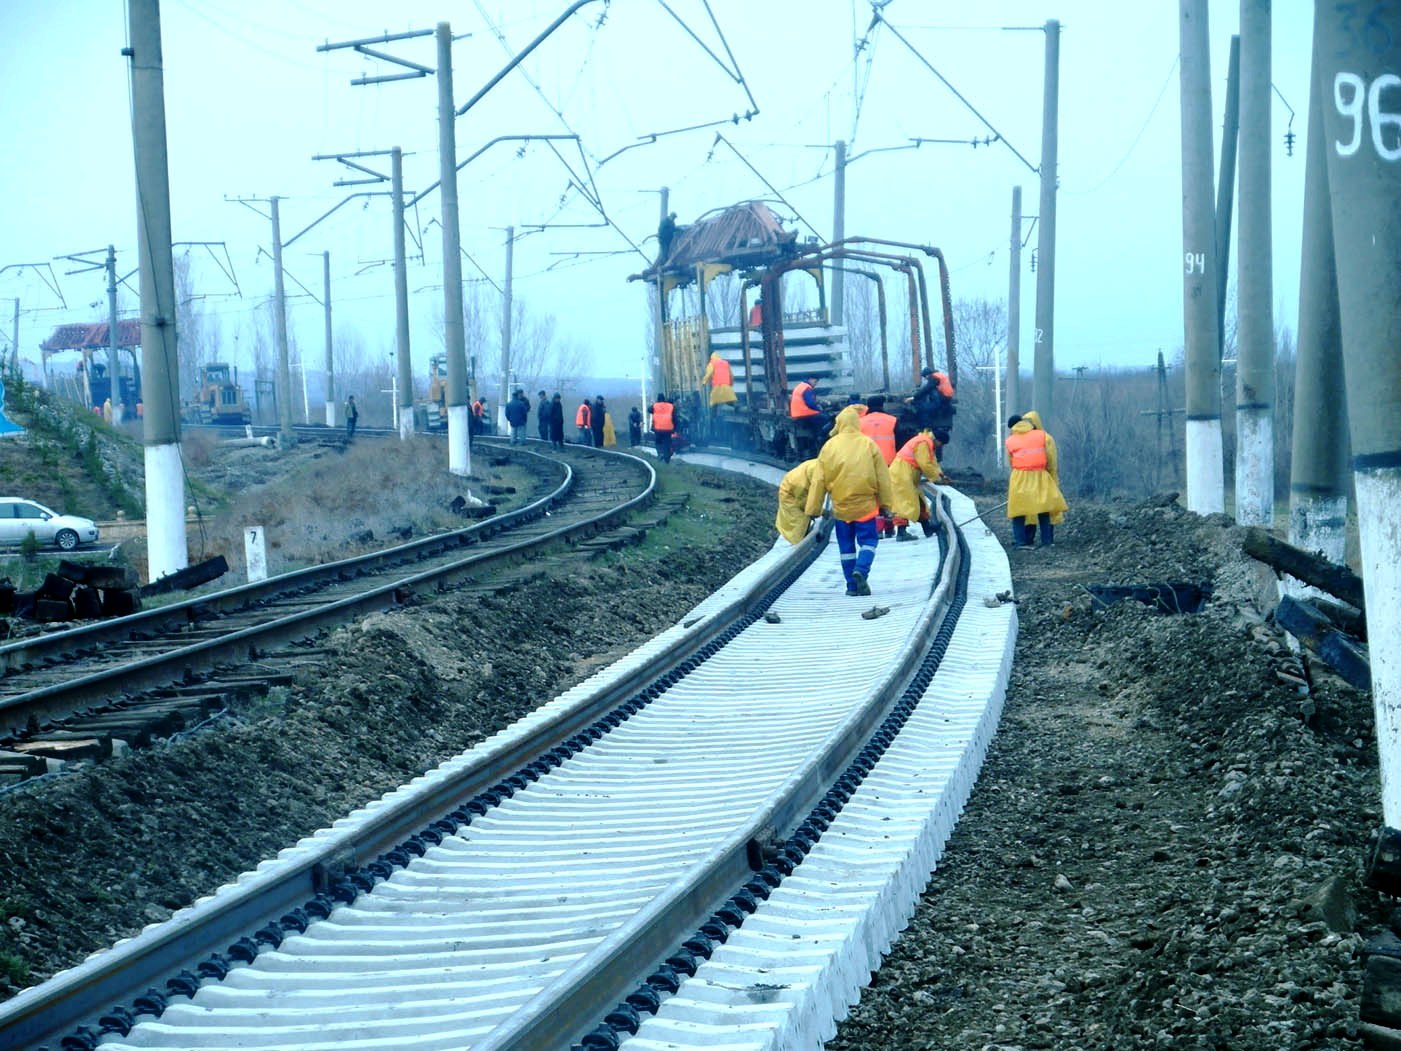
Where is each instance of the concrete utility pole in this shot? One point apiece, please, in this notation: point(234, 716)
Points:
point(1205, 478)
point(660, 347)
point(839, 231)
point(506, 308)
point(1318, 483)
point(330, 357)
point(286, 436)
point(114, 365)
point(1226, 189)
point(1043, 387)
point(403, 352)
point(14, 339)
point(1255, 343)
point(1359, 70)
point(166, 549)
point(459, 444)
point(1014, 310)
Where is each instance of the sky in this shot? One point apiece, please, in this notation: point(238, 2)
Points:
point(250, 100)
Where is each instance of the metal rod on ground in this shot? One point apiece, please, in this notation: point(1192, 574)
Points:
point(980, 514)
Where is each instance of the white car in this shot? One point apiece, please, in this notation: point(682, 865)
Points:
point(19, 518)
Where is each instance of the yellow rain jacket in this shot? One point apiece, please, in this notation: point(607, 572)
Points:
point(1030, 493)
point(792, 521)
point(914, 460)
point(610, 436)
point(721, 378)
point(851, 468)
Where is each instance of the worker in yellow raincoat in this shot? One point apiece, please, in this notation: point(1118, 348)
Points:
point(917, 458)
point(721, 379)
point(851, 468)
point(610, 436)
point(1033, 488)
point(793, 520)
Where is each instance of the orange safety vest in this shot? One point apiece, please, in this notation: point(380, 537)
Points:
point(720, 375)
point(1027, 450)
point(941, 380)
point(880, 428)
point(907, 451)
point(756, 316)
point(476, 408)
point(797, 408)
point(661, 416)
point(583, 418)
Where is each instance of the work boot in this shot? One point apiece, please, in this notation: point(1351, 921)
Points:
point(858, 581)
point(904, 534)
point(929, 527)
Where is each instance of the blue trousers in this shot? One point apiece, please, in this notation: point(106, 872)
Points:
point(856, 541)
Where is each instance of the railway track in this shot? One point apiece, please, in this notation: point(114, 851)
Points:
point(127, 677)
point(718, 834)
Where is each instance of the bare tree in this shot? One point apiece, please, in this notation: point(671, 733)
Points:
point(863, 321)
point(198, 332)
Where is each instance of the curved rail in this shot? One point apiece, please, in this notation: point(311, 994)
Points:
point(41, 703)
point(641, 733)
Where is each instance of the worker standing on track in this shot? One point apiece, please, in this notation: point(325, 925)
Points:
point(917, 458)
point(556, 417)
point(793, 520)
point(634, 427)
point(1033, 488)
point(879, 426)
point(596, 413)
point(583, 422)
point(663, 415)
point(934, 405)
point(806, 413)
point(851, 468)
point(542, 417)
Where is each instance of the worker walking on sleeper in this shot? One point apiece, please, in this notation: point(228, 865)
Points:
point(850, 467)
point(793, 521)
point(917, 459)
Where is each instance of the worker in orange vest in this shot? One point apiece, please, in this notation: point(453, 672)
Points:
point(1033, 488)
point(583, 420)
point(721, 379)
point(663, 415)
point(879, 426)
point(806, 413)
point(851, 468)
point(916, 459)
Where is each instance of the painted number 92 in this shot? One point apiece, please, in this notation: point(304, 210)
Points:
point(1361, 104)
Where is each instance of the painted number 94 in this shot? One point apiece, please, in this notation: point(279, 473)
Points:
point(1365, 105)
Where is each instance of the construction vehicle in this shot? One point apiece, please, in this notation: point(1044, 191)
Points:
point(219, 399)
point(772, 349)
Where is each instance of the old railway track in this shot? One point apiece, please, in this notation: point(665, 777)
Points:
point(712, 840)
point(81, 692)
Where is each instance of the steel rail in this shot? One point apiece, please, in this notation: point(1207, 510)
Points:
point(603, 976)
point(18, 710)
point(79, 995)
point(53, 645)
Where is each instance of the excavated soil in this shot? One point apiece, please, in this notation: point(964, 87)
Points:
point(1163, 850)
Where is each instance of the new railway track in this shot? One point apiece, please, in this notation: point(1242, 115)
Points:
point(714, 837)
point(98, 678)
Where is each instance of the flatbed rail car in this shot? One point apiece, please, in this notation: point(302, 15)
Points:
point(771, 349)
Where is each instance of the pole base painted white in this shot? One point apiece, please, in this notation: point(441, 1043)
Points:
point(166, 547)
point(1206, 480)
point(405, 422)
point(330, 414)
point(459, 444)
point(255, 554)
point(1319, 523)
point(1379, 527)
point(1255, 467)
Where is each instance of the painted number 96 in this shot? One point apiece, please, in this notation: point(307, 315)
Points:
point(1361, 104)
